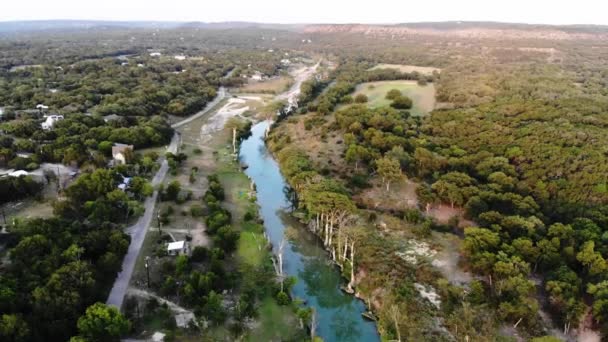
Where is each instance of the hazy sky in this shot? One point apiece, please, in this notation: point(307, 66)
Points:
point(313, 11)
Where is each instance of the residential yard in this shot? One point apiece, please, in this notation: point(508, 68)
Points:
point(422, 96)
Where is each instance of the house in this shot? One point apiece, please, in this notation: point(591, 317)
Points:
point(285, 61)
point(155, 54)
point(180, 57)
point(177, 248)
point(120, 154)
point(257, 76)
point(50, 121)
point(111, 117)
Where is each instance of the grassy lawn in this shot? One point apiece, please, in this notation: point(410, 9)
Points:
point(251, 249)
point(422, 96)
point(277, 323)
point(407, 68)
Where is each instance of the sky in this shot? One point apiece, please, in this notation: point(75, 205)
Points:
point(313, 11)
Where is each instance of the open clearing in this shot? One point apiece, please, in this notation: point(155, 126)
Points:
point(422, 96)
point(407, 68)
point(274, 85)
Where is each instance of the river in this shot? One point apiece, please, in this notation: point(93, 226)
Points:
point(318, 281)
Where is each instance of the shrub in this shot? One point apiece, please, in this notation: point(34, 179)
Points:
point(248, 216)
point(402, 102)
point(197, 210)
point(361, 98)
point(199, 253)
point(393, 94)
point(282, 298)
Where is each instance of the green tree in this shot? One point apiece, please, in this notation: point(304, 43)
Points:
point(402, 102)
point(102, 323)
point(393, 94)
point(13, 328)
point(389, 169)
point(361, 98)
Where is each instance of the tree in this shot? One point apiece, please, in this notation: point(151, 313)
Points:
point(393, 94)
point(389, 169)
point(361, 98)
point(13, 328)
point(356, 154)
point(173, 190)
point(402, 102)
point(592, 260)
point(103, 323)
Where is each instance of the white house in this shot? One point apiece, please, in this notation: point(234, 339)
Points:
point(180, 57)
point(285, 61)
point(257, 76)
point(42, 107)
point(50, 121)
point(177, 248)
point(119, 153)
point(111, 117)
point(155, 54)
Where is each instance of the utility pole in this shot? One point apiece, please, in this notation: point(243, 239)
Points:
point(148, 270)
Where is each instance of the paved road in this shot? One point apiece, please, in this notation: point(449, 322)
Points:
point(140, 228)
point(138, 233)
point(221, 94)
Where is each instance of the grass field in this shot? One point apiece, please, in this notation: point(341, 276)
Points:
point(273, 85)
point(422, 96)
point(407, 68)
point(277, 323)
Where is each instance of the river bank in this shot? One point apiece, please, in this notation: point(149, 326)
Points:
point(318, 281)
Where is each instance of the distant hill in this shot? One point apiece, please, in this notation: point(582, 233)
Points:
point(42, 25)
point(461, 29)
point(66, 25)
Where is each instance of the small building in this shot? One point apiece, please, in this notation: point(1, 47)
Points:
point(285, 61)
point(120, 154)
point(257, 76)
point(180, 57)
point(177, 248)
point(111, 117)
point(155, 54)
point(50, 121)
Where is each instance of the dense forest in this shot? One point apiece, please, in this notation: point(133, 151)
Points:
point(519, 145)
